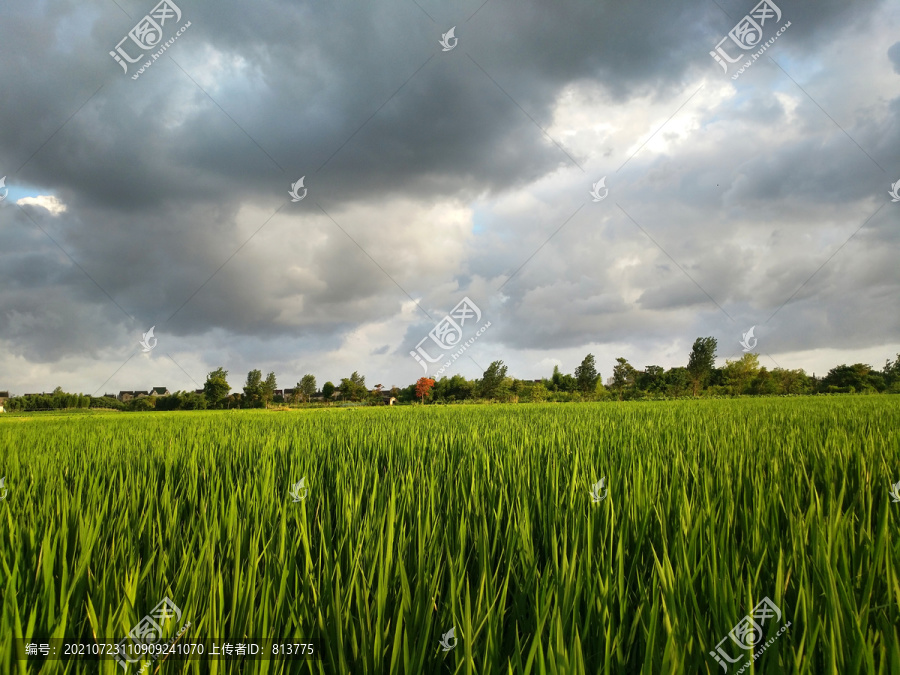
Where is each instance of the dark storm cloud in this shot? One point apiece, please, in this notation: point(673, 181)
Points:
point(894, 56)
point(167, 176)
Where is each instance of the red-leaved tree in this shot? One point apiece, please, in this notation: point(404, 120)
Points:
point(423, 388)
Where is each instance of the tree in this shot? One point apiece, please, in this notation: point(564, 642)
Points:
point(701, 362)
point(423, 388)
point(216, 387)
point(858, 377)
point(142, 404)
point(455, 388)
point(763, 383)
point(353, 387)
point(268, 389)
point(739, 374)
point(327, 391)
point(306, 387)
point(491, 385)
point(538, 392)
point(791, 381)
point(624, 377)
point(193, 401)
point(560, 382)
point(253, 389)
point(652, 379)
point(586, 374)
point(891, 374)
point(677, 380)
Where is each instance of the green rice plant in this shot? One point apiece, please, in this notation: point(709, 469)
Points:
point(480, 518)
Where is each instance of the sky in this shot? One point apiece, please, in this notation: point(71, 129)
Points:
point(558, 180)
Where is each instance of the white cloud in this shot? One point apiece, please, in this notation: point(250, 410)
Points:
point(49, 202)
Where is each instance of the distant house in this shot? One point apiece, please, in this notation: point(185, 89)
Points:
point(288, 393)
point(4, 397)
point(198, 391)
point(141, 394)
point(279, 392)
point(159, 391)
point(386, 397)
point(125, 396)
point(109, 396)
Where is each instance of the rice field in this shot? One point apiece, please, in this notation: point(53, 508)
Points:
point(490, 520)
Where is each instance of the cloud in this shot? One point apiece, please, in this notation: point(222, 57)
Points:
point(894, 56)
point(435, 175)
point(50, 203)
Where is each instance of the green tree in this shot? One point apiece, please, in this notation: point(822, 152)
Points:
point(216, 387)
point(891, 375)
point(858, 377)
point(561, 382)
point(652, 380)
point(492, 381)
point(624, 378)
point(538, 393)
point(306, 387)
point(253, 389)
point(586, 374)
point(353, 387)
point(763, 383)
point(791, 381)
point(359, 386)
point(142, 404)
point(677, 381)
point(701, 362)
point(268, 389)
point(455, 388)
point(327, 391)
point(739, 374)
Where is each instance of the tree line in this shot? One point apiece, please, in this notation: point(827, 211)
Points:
point(700, 377)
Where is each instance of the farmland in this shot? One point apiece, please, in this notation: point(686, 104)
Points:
point(481, 518)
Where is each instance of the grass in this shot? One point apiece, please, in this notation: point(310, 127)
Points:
point(479, 517)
